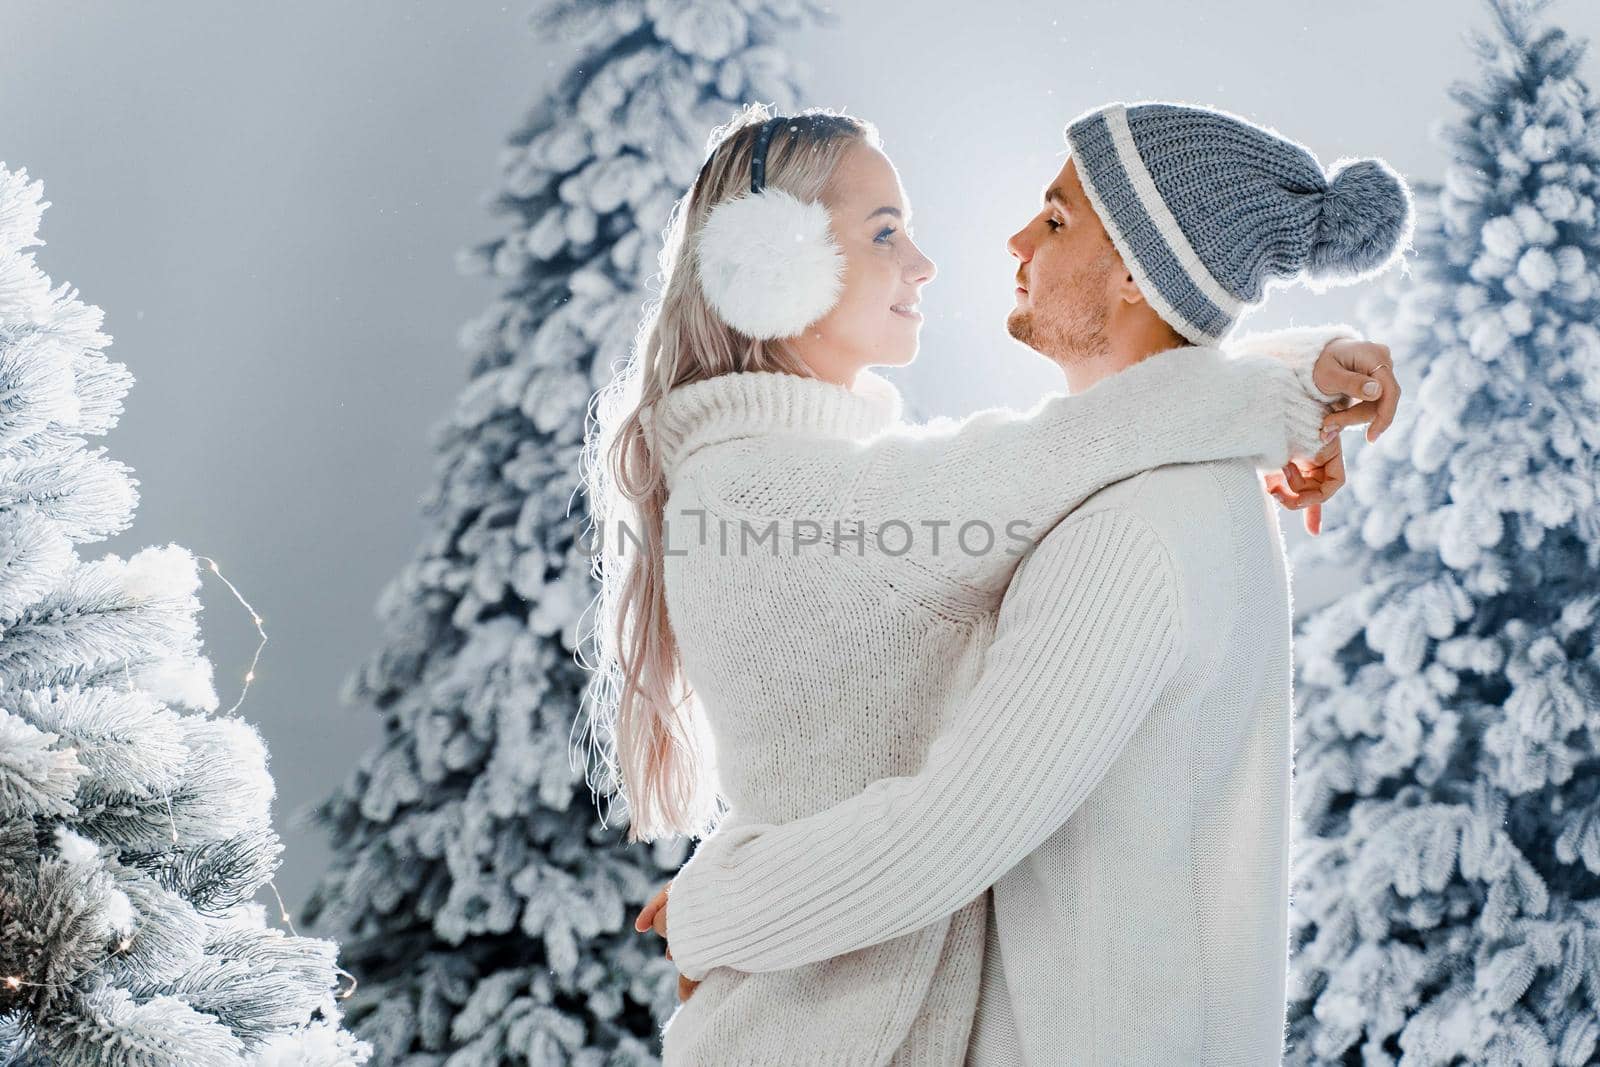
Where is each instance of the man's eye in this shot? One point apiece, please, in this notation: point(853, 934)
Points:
point(1054, 225)
point(883, 233)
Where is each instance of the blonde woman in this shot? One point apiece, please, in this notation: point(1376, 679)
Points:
point(808, 584)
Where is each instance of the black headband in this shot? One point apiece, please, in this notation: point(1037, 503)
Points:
point(758, 161)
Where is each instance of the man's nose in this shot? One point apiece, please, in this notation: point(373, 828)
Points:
point(1016, 246)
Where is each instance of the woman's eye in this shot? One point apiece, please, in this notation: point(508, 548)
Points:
point(1054, 225)
point(883, 233)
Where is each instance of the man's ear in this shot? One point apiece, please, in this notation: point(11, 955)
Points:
point(1128, 290)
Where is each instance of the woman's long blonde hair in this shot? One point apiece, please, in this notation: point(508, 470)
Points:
point(660, 755)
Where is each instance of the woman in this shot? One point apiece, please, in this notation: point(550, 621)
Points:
point(717, 656)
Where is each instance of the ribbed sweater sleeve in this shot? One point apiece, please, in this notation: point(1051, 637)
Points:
point(1012, 475)
point(1292, 345)
point(1086, 638)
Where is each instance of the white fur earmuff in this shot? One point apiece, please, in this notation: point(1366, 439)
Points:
point(768, 263)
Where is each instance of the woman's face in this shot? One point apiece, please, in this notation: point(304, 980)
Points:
point(876, 320)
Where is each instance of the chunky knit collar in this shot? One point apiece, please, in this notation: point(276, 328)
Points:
point(755, 403)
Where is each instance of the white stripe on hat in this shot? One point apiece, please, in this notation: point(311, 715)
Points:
point(1152, 292)
point(1144, 187)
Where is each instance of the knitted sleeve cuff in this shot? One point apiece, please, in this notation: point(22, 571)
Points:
point(1298, 348)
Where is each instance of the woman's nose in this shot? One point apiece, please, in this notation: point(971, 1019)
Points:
point(915, 266)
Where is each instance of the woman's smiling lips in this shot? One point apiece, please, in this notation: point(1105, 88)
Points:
point(907, 311)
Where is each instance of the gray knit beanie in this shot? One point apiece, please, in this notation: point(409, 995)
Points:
point(1209, 209)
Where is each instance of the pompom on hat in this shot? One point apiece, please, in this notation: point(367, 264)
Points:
point(767, 261)
point(1209, 209)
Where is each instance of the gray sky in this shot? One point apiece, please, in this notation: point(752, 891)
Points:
point(267, 201)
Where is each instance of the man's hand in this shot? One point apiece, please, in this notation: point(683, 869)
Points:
point(1362, 372)
point(654, 917)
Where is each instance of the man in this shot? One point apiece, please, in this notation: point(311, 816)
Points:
point(1119, 778)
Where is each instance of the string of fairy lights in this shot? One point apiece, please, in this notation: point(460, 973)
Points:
point(17, 981)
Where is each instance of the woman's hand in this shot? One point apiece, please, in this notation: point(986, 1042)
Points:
point(1361, 371)
point(1308, 485)
point(654, 917)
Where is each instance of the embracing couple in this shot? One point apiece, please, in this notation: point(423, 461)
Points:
point(985, 723)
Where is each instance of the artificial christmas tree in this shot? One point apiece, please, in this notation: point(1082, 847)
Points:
point(1446, 902)
point(487, 903)
point(133, 837)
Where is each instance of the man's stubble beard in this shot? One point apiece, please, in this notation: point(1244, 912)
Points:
point(1076, 331)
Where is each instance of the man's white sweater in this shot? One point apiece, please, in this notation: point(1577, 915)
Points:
point(831, 619)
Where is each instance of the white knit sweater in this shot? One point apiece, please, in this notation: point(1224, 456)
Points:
point(833, 601)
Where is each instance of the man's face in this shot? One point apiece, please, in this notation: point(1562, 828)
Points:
point(1066, 275)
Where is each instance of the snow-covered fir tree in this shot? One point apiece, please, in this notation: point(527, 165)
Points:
point(485, 899)
point(133, 836)
point(1446, 902)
